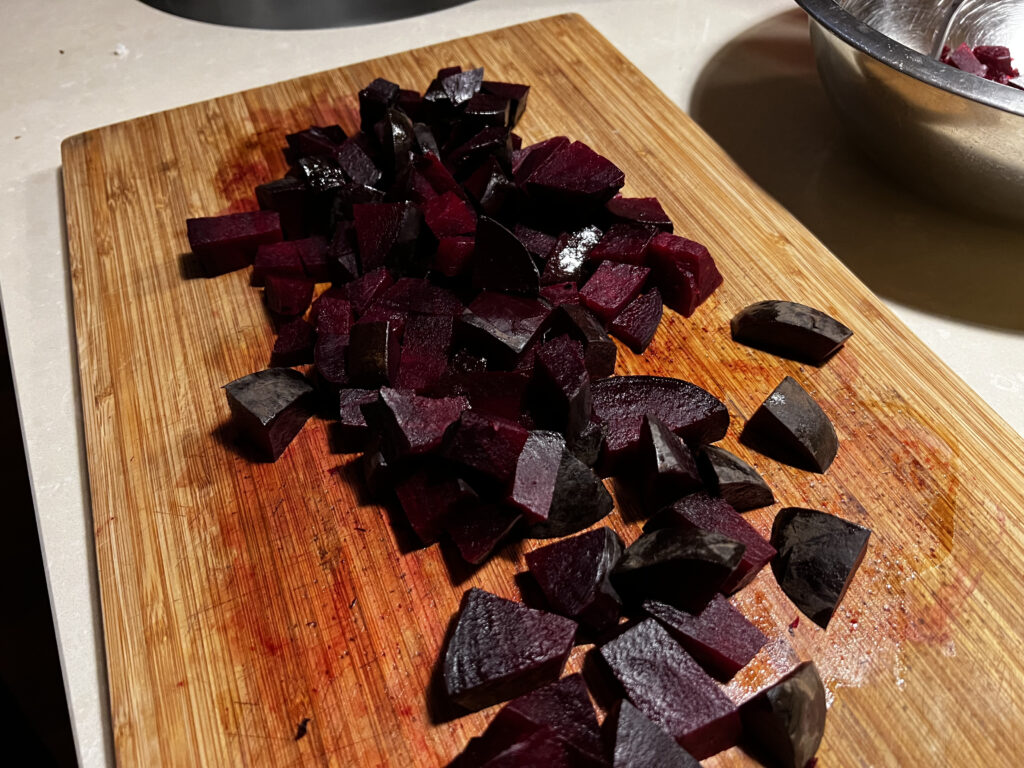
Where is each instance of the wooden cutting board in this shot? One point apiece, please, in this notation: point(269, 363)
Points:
point(240, 599)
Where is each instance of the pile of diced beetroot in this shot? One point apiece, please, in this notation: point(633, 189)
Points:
point(993, 62)
point(464, 345)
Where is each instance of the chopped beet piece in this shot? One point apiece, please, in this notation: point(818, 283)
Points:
point(539, 244)
point(364, 290)
point(498, 393)
point(415, 294)
point(493, 191)
point(429, 499)
point(733, 479)
point(684, 272)
point(380, 313)
point(293, 345)
point(670, 470)
point(429, 331)
point(420, 368)
point(453, 255)
point(332, 314)
point(639, 743)
point(504, 325)
point(719, 637)
point(486, 109)
point(341, 257)
point(575, 176)
point(347, 196)
point(683, 567)
point(621, 402)
point(533, 486)
point(625, 243)
point(477, 530)
point(785, 722)
point(279, 258)
point(587, 445)
point(560, 293)
point(637, 323)
point(501, 262)
point(501, 649)
point(639, 210)
point(312, 142)
point(574, 575)
point(998, 60)
point(599, 351)
point(515, 93)
point(568, 258)
point(963, 58)
point(672, 690)
point(541, 747)
point(440, 178)
point(579, 501)
point(460, 87)
point(713, 514)
point(373, 353)
point(490, 142)
point(329, 355)
point(375, 100)
point(791, 427)
point(313, 255)
point(395, 135)
point(386, 233)
point(818, 554)
point(289, 198)
point(563, 386)
point(791, 330)
point(449, 215)
point(351, 421)
point(411, 424)
point(487, 444)
point(529, 159)
point(269, 408)
point(226, 243)
point(356, 164)
point(321, 175)
point(612, 287)
point(288, 296)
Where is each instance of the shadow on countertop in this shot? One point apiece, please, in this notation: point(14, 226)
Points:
point(760, 98)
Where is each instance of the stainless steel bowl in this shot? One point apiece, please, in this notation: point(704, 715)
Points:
point(947, 133)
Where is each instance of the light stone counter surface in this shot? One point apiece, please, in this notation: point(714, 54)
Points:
point(741, 67)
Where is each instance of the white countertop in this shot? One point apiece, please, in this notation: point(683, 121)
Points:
point(73, 65)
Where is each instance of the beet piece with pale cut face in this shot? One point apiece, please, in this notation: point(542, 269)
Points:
point(669, 469)
point(288, 296)
point(568, 258)
point(624, 243)
point(375, 100)
point(279, 258)
point(293, 345)
point(729, 476)
point(289, 198)
point(357, 164)
point(410, 424)
point(784, 724)
point(503, 326)
point(330, 355)
point(489, 445)
point(387, 234)
point(454, 255)
point(533, 485)
point(574, 575)
point(563, 385)
point(683, 567)
point(515, 93)
point(526, 161)
point(501, 262)
point(639, 743)
point(364, 290)
point(501, 649)
point(268, 408)
point(621, 402)
point(646, 211)
point(637, 323)
point(478, 529)
point(684, 272)
point(575, 176)
point(670, 688)
point(612, 287)
point(719, 637)
point(448, 215)
point(790, 330)
point(226, 243)
point(560, 293)
point(599, 351)
point(790, 427)
point(428, 498)
point(580, 500)
point(351, 428)
point(699, 510)
point(373, 354)
point(818, 554)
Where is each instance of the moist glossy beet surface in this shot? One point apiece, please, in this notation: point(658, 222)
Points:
point(612, 287)
point(791, 330)
point(791, 427)
point(669, 469)
point(449, 215)
point(268, 408)
point(626, 243)
point(501, 649)
point(818, 554)
point(568, 256)
point(784, 723)
point(575, 176)
point(684, 272)
point(536, 476)
point(729, 476)
point(637, 323)
point(226, 243)
point(639, 743)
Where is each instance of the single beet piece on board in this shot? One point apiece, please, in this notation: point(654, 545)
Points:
point(599, 351)
point(501, 649)
point(790, 330)
point(783, 724)
point(536, 477)
point(269, 407)
point(612, 287)
point(639, 210)
point(575, 176)
point(669, 469)
point(791, 427)
point(684, 272)
point(489, 445)
point(637, 323)
point(478, 529)
point(293, 345)
point(818, 554)
point(226, 243)
point(575, 576)
point(288, 296)
point(639, 743)
point(411, 424)
point(670, 688)
point(729, 476)
point(580, 500)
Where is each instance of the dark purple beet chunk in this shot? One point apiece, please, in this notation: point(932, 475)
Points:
point(493, 191)
point(329, 355)
point(490, 142)
point(670, 688)
point(504, 325)
point(313, 255)
point(563, 385)
point(373, 353)
point(624, 243)
point(568, 258)
point(574, 575)
point(720, 638)
point(332, 314)
point(314, 142)
point(453, 255)
point(790, 330)
point(599, 351)
point(487, 444)
point(351, 422)
point(293, 345)
point(669, 468)
point(639, 743)
point(432, 332)
point(683, 567)
point(639, 210)
point(321, 176)
point(269, 408)
point(560, 293)
point(411, 424)
point(529, 159)
point(579, 501)
point(460, 87)
point(478, 530)
point(375, 100)
point(485, 109)
point(226, 243)
point(395, 136)
point(415, 294)
point(440, 178)
point(501, 262)
point(279, 258)
point(356, 164)
point(783, 724)
point(289, 198)
point(612, 287)
point(818, 554)
point(713, 514)
point(386, 233)
point(513, 92)
point(541, 748)
point(501, 649)
point(587, 445)
point(533, 486)
point(684, 272)
point(448, 214)
point(498, 393)
point(791, 427)
point(621, 402)
point(575, 176)
point(341, 258)
point(419, 368)
point(539, 244)
point(637, 323)
point(410, 102)
point(733, 479)
point(347, 196)
point(364, 290)
point(429, 499)
point(396, 318)
point(963, 58)
point(288, 296)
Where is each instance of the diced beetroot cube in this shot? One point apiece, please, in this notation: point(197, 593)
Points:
point(728, 476)
point(513, 92)
point(670, 471)
point(624, 243)
point(288, 296)
point(415, 294)
point(541, 747)
point(227, 243)
point(386, 233)
point(639, 743)
point(501, 262)
point(528, 159)
point(713, 514)
point(504, 325)
point(498, 393)
point(364, 290)
point(379, 313)
point(963, 58)
point(281, 258)
point(533, 486)
point(579, 501)
point(411, 424)
point(490, 142)
point(329, 355)
point(373, 353)
point(539, 244)
point(345, 197)
point(375, 100)
point(637, 323)
point(313, 254)
point(501, 649)
point(313, 142)
point(352, 429)
point(356, 164)
point(429, 498)
point(719, 637)
point(394, 134)
point(612, 287)
point(332, 314)
point(575, 176)
point(639, 210)
point(998, 60)
point(599, 351)
point(269, 408)
point(563, 385)
point(672, 690)
point(420, 368)
point(453, 255)
point(341, 257)
point(493, 191)
point(434, 171)
point(487, 444)
point(448, 215)
point(486, 109)
point(684, 272)
point(290, 198)
point(574, 575)
point(786, 721)
point(460, 87)
point(477, 530)
point(293, 345)
point(560, 293)
point(569, 256)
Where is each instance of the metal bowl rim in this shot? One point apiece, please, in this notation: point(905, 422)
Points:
point(907, 61)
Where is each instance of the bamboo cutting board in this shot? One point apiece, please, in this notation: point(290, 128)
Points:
point(240, 599)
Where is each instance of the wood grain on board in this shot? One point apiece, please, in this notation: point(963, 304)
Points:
point(241, 599)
